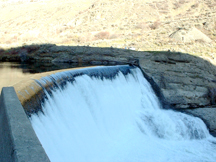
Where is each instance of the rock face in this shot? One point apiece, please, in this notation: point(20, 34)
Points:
point(184, 80)
point(180, 80)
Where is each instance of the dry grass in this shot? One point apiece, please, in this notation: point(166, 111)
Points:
point(144, 24)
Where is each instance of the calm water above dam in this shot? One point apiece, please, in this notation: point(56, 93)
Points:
point(111, 114)
point(12, 73)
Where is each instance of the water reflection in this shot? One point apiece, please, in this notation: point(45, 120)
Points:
point(12, 73)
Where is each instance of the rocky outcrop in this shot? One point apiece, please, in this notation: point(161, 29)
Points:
point(180, 80)
point(190, 35)
point(184, 80)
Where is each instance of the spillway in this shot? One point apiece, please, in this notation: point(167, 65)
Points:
point(111, 114)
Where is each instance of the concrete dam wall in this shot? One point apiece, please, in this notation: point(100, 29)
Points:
point(18, 140)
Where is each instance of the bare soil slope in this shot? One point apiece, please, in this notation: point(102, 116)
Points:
point(139, 25)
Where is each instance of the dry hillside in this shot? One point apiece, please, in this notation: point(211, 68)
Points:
point(176, 25)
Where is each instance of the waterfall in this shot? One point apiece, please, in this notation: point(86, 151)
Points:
point(111, 114)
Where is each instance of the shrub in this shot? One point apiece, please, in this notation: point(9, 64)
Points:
point(200, 41)
point(195, 5)
point(1, 50)
point(31, 48)
point(155, 25)
point(23, 54)
point(114, 36)
point(102, 35)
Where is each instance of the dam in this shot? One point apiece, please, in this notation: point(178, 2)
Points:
point(112, 114)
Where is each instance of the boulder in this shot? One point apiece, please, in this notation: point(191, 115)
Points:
point(190, 35)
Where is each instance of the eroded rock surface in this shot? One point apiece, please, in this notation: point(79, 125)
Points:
point(185, 80)
point(181, 80)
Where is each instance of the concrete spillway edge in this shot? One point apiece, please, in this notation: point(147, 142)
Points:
point(18, 141)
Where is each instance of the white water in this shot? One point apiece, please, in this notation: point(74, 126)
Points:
point(118, 120)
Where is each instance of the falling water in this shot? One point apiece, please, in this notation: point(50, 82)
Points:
point(111, 114)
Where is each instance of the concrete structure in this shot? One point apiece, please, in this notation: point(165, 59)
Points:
point(18, 141)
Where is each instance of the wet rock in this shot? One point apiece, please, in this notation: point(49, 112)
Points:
point(207, 115)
